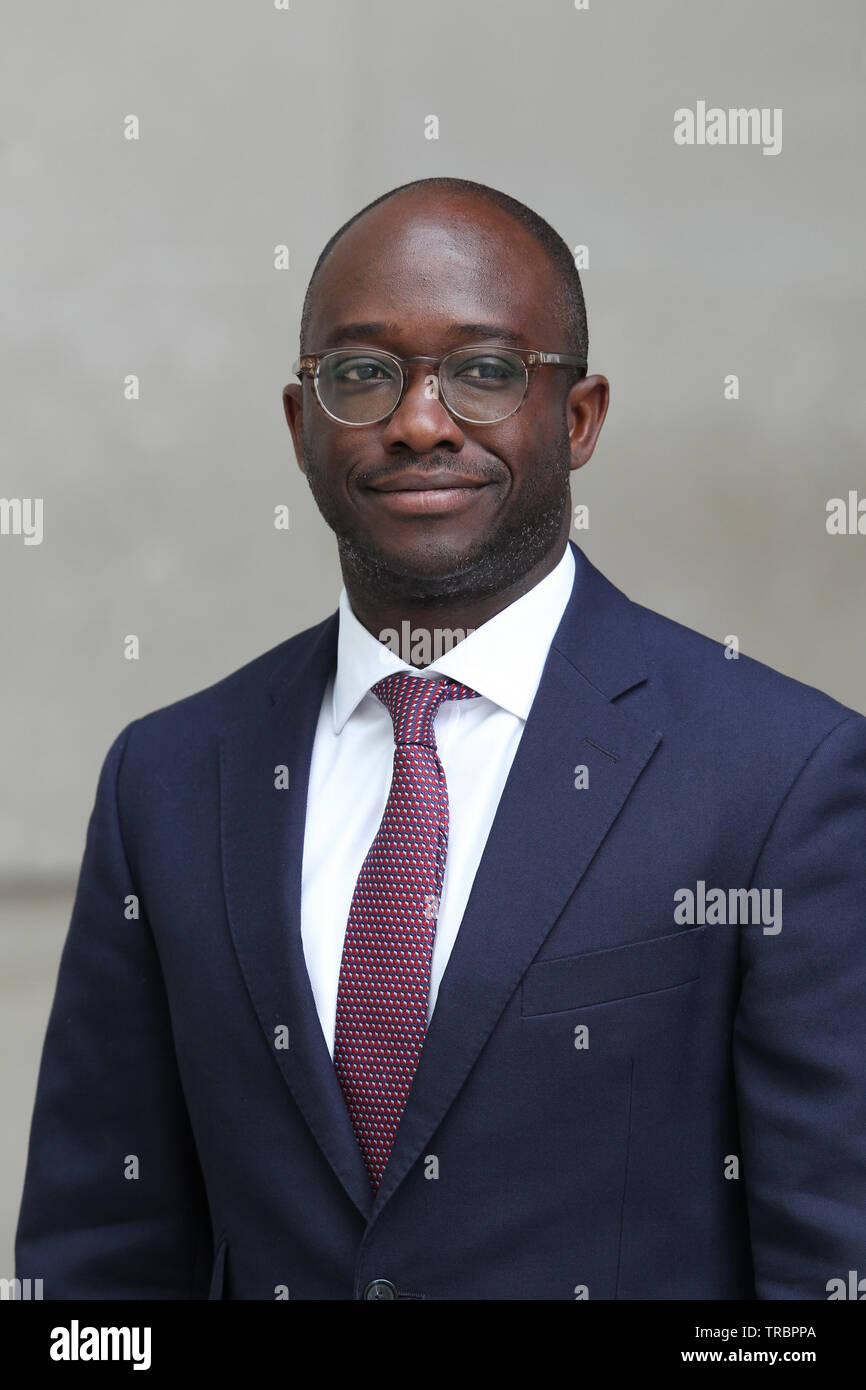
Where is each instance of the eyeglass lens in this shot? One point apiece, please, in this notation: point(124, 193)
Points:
point(362, 387)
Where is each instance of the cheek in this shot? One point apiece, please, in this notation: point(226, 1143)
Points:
point(529, 443)
point(309, 438)
point(323, 449)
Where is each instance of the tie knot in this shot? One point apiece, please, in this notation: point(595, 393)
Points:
point(413, 701)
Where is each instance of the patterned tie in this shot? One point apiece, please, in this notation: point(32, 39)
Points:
point(385, 971)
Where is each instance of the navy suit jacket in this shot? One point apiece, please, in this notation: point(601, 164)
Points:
point(610, 1103)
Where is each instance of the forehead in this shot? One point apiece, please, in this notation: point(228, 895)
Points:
point(421, 266)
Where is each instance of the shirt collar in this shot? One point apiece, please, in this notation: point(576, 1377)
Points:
point(502, 659)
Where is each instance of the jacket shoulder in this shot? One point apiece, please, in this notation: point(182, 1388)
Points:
point(244, 692)
point(701, 677)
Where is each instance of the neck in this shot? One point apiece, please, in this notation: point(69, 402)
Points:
point(381, 613)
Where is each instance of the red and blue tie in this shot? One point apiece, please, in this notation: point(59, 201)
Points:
point(385, 970)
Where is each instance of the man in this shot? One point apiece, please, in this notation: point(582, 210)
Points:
point(531, 971)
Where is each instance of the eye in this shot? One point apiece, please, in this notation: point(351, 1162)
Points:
point(354, 371)
point(487, 370)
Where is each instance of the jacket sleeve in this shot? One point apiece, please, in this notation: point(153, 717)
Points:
point(114, 1203)
point(799, 1040)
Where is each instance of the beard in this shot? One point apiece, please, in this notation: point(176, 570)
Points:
point(524, 537)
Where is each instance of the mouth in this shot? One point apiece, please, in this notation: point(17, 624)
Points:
point(427, 494)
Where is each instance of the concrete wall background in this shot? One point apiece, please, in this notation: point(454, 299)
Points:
point(261, 127)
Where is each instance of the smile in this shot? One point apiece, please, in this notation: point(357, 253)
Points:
point(428, 494)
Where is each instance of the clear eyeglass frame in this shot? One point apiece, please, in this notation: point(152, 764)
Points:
point(310, 364)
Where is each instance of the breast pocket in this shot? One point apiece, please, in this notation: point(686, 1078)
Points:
point(620, 972)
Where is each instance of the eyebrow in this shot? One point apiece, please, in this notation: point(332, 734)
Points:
point(478, 332)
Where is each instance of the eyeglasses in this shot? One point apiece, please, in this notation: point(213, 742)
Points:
point(482, 384)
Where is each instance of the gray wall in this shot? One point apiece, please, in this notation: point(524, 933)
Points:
point(260, 127)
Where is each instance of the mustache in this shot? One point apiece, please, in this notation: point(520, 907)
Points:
point(432, 463)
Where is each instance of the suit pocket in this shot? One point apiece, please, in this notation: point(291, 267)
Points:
point(620, 972)
point(217, 1278)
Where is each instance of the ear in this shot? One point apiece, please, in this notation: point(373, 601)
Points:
point(293, 398)
point(585, 408)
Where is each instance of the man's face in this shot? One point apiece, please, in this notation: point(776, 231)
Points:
point(422, 275)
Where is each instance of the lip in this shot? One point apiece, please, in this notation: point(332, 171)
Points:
point(426, 494)
point(427, 482)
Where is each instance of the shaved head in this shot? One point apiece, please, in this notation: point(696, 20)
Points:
point(568, 307)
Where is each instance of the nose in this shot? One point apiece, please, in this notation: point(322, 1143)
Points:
point(421, 423)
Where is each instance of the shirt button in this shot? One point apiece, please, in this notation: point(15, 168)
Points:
point(380, 1288)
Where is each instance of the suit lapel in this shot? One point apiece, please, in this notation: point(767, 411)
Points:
point(262, 850)
point(543, 837)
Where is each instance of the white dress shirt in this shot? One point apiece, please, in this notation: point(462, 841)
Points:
point(353, 759)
